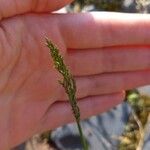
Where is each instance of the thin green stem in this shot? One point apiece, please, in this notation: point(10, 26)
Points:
point(69, 85)
point(83, 141)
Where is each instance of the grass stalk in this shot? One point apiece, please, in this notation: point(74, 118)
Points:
point(69, 85)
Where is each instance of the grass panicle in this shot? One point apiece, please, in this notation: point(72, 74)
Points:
point(69, 85)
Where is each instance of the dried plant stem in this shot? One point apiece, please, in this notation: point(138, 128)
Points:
point(69, 85)
point(138, 122)
point(141, 129)
point(141, 142)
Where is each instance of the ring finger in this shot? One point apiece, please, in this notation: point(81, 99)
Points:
point(108, 59)
point(109, 83)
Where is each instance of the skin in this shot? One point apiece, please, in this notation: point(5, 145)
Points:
point(106, 52)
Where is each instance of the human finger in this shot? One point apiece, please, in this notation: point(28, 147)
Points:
point(109, 83)
point(88, 106)
point(9, 8)
point(102, 29)
point(108, 60)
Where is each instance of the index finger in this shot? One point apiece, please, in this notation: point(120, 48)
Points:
point(9, 8)
point(102, 29)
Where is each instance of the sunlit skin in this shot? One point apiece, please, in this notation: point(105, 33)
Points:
point(106, 52)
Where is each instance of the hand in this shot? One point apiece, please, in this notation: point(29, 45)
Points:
point(107, 54)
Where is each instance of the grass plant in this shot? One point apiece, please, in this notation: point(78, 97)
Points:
point(69, 85)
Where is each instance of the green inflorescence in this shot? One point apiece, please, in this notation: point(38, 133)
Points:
point(69, 85)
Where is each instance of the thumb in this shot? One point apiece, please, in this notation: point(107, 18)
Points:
point(9, 8)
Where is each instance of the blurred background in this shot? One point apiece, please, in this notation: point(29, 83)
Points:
point(125, 127)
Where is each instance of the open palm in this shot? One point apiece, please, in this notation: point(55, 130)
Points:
point(99, 48)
